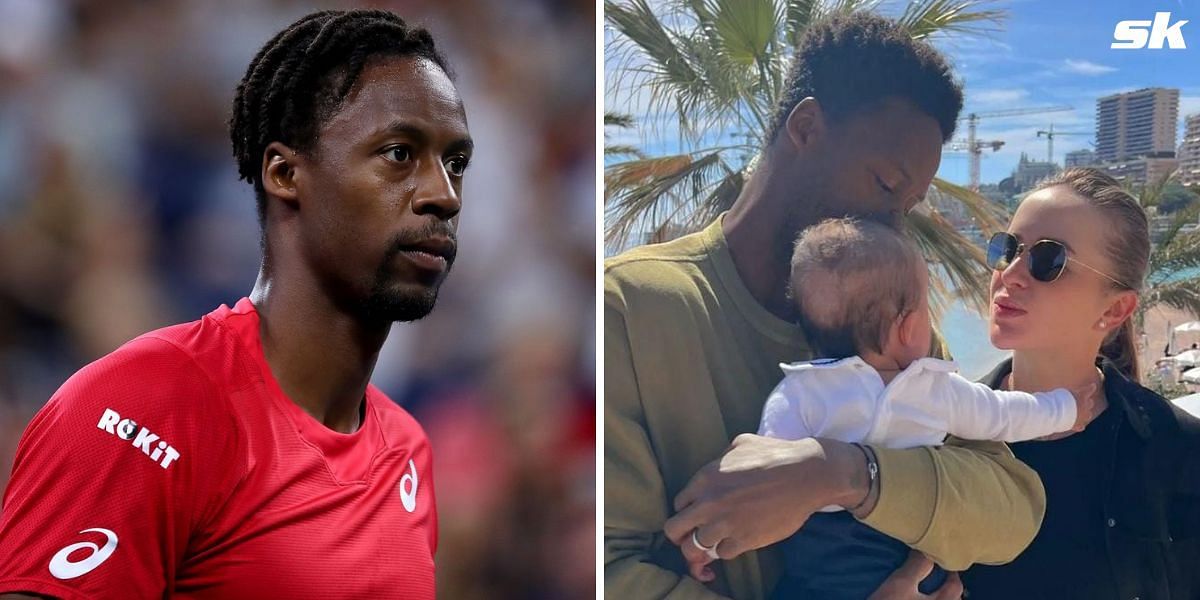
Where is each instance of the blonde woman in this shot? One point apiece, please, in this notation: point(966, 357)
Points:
point(1122, 496)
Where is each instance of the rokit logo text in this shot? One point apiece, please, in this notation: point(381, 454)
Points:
point(163, 453)
point(1131, 35)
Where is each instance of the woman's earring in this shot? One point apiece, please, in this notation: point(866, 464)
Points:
point(1102, 325)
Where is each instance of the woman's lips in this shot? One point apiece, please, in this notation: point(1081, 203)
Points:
point(1005, 310)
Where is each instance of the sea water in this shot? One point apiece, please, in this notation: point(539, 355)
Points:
point(966, 335)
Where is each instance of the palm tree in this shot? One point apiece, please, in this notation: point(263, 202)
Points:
point(619, 121)
point(712, 70)
point(1173, 278)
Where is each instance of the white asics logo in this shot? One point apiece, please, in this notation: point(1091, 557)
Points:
point(408, 497)
point(62, 567)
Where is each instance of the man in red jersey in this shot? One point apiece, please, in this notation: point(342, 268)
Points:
point(245, 455)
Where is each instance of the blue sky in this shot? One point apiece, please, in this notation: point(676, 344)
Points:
point(1049, 52)
point(1057, 53)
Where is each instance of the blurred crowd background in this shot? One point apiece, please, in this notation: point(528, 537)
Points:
point(121, 212)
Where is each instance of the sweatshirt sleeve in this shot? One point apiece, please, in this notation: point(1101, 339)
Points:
point(635, 497)
point(977, 492)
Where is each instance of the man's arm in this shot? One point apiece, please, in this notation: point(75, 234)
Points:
point(109, 480)
point(963, 503)
point(635, 502)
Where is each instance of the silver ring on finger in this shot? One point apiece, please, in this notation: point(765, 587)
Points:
point(709, 551)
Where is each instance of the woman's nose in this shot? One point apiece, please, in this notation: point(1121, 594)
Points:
point(1016, 274)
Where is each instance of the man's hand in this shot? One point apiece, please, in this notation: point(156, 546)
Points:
point(902, 584)
point(761, 491)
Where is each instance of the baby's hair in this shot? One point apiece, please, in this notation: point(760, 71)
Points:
point(851, 279)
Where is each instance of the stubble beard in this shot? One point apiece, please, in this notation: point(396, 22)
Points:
point(385, 304)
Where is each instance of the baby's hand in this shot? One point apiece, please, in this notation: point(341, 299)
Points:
point(1089, 403)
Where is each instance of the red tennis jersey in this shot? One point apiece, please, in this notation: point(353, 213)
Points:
point(176, 467)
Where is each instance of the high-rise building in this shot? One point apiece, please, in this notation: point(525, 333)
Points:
point(1135, 124)
point(1079, 158)
point(1189, 152)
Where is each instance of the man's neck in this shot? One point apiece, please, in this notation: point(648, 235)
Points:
point(321, 356)
point(754, 231)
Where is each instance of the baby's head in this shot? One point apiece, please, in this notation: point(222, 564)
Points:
point(861, 288)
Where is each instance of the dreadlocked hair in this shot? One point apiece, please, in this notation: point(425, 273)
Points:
point(301, 77)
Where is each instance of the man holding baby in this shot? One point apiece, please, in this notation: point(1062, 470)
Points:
point(696, 330)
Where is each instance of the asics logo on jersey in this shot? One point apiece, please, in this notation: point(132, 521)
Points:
point(127, 429)
point(62, 567)
point(408, 495)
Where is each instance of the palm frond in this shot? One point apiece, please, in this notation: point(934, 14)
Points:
point(652, 56)
point(745, 28)
point(638, 23)
point(923, 18)
point(622, 120)
point(1171, 280)
point(797, 14)
point(989, 216)
point(959, 262)
point(1151, 194)
point(718, 201)
point(1166, 256)
point(1181, 295)
point(1168, 260)
point(623, 150)
point(845, 7)
point(730, 100)
point(647, 194)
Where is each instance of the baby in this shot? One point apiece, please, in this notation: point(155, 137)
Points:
point(862, 291)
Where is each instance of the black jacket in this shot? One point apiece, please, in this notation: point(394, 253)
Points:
point(1144, 495)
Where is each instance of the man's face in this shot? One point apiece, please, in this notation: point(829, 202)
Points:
point(876, 164)
point(381, 193)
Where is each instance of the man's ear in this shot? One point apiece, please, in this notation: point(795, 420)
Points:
point(804, 123)
point(279, 172)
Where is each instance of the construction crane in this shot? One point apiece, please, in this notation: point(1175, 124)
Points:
point(1050, 139)
point(974, 154)
point(975, 148)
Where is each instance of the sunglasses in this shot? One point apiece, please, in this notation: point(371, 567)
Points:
point(1047, 258)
